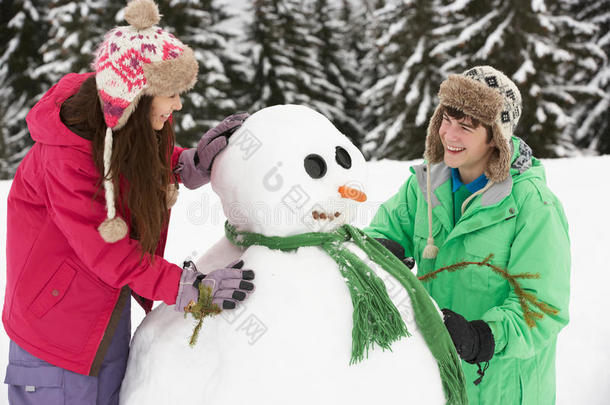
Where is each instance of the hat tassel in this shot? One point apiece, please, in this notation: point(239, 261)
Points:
point(113, 228)
point(430, 251)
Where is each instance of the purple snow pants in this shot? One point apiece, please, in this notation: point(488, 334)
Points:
point(34, 381)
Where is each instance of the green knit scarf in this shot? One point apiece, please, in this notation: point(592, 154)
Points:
point(375, 319)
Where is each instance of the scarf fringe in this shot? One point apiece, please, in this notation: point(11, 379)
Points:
point(375, 319)
point(453, 382)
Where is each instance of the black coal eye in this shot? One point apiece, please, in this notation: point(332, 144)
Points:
point(342, 157)
point(315, 166)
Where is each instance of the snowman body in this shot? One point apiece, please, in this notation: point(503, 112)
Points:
point(291, 340)
point(289, 343)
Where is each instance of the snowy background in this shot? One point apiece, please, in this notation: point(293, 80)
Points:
point(583, 357)
point(372, 67)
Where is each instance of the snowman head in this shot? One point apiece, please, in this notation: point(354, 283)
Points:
point(288, 170)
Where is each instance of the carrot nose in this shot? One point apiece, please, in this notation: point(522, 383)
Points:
point(352, 193)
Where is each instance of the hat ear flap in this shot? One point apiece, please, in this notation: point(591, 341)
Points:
point(498, 166)
point(434, 147)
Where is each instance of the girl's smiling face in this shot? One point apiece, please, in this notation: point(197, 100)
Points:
point(161, 109)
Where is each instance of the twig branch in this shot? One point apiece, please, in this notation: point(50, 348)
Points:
point(200, 310)
point(527, 300)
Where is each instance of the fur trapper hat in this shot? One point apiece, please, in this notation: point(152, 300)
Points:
point(132, 61)
point(486, 94)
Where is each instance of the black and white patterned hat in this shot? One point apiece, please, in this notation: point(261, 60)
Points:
point(488, 95)
point(511, 110)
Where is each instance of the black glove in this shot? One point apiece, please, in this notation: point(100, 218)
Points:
point(397, 250)
point(473, 340)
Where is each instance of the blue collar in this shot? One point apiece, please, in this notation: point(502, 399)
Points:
point(473, 186)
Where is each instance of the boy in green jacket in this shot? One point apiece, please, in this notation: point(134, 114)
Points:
point(481, 192)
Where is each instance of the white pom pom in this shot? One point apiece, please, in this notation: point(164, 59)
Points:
point(430, 251)
point(113, 230)
point(142, 14)
point(172, 195)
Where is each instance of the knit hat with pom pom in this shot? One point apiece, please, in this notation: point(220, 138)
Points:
point(135, 60)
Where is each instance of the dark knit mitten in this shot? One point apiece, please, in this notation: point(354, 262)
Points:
point(473, 340)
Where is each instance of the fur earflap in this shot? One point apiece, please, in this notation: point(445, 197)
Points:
point(498, 167)
point(173, 75)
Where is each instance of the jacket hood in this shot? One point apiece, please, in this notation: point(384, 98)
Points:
point(523, 163)
point(43, 120)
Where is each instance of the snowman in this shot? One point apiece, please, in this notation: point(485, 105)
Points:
point(297, 339)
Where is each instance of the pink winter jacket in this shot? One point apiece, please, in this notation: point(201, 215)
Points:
point(65, 286)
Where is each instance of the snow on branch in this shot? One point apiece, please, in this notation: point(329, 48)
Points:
point(454, 7)
point(416, 57)
point(577, 27)
point(469, 32)
point(494, 38)
point(596, 114)
point(527, 68)
point(394, 130)
point(542, 49)
point(424, 107)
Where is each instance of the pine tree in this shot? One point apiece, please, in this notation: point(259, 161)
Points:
point(536, 43)
point(76, 28)
point(404, 97)
point(377, 18)
point(299, 63)
point(220, 86)
point(353, 17)
point(340, 69)
point(286, 56)
point(591, 129)
point(267, 85)
point(22, 35)
point(282, 53)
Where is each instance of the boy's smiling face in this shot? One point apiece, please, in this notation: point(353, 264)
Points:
point(466, 146)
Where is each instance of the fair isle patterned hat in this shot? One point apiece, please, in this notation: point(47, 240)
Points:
point(132, 61)
point(486, 94)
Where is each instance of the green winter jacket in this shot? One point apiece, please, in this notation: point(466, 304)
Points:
point(523, 224)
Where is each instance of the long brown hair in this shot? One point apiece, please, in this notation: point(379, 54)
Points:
point(140, 163)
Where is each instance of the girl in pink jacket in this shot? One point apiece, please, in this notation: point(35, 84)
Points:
point(88, 212)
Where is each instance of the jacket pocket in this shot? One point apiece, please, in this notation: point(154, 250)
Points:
point(420, 240)
point(35, 385)
point(53, 291)
point(479, 246)
point(71, 306)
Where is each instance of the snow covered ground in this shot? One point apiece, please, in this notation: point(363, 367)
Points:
point(583, 374)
